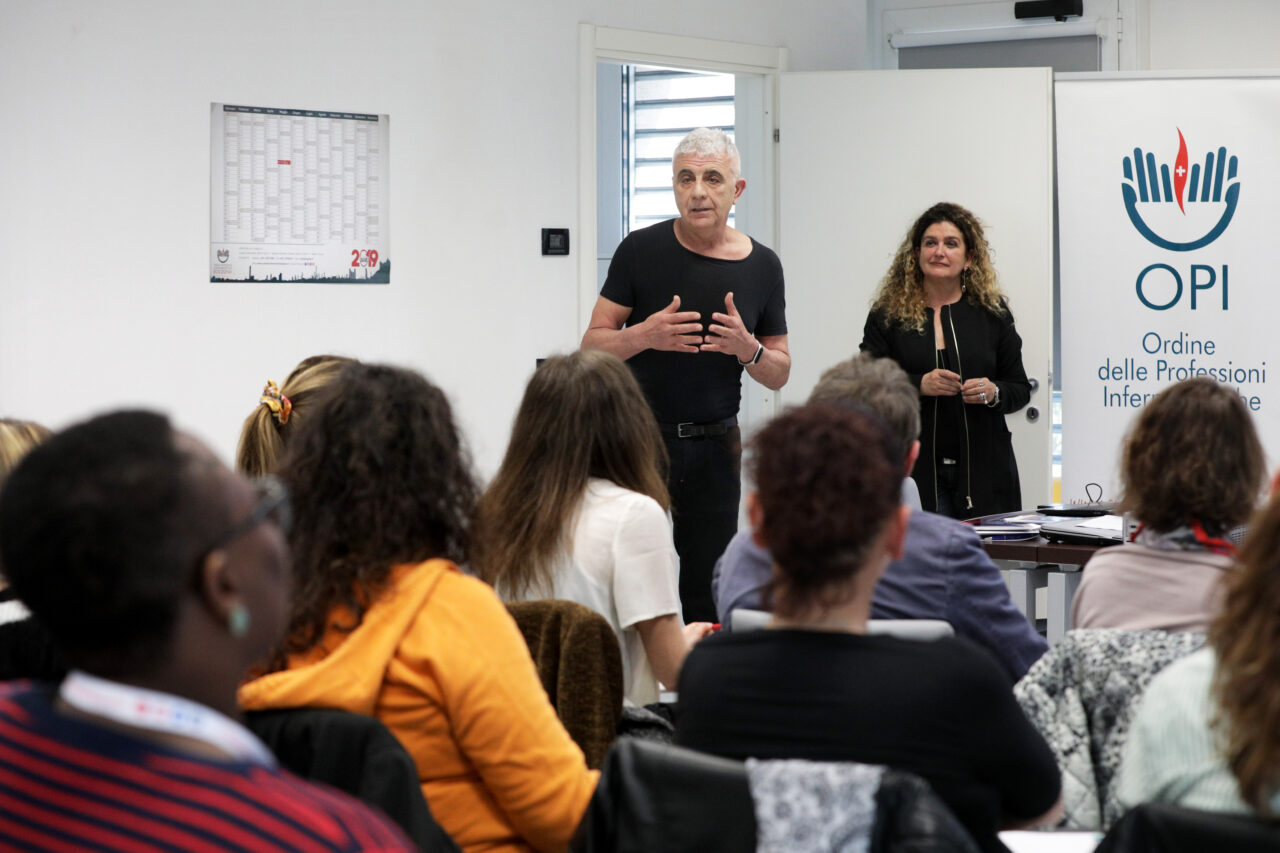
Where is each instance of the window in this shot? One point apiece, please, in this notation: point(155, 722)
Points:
point(661, 105)
point(643, 111)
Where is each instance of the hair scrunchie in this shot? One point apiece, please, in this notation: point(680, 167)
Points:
point(275, 401)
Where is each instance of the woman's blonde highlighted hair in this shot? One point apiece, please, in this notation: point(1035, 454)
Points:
point(16, 440)
point(264, 435)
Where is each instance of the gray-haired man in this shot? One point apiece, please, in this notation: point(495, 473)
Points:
point(690, 303)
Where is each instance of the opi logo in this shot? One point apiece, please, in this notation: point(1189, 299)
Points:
point(223, 256)
point(1181, 207)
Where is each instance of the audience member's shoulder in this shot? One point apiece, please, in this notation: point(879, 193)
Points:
point(622, 500)
point(944, 525)
point(355, 827)
point(931, 530)
point(1186, 674)
point(22, 696)
point(960, 661)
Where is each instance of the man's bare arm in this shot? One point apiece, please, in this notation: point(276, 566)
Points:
point(668, 329)
point(774, 368)
point(729, 335)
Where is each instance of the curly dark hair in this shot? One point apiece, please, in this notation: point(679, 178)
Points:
point(827, 481)
point(102, 528)
point(379, 477)
point(1193, 455)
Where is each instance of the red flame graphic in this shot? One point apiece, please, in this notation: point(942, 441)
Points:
point(1180, 172)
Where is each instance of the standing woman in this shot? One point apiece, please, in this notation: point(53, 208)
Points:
point(940, 314)
point(578, 511)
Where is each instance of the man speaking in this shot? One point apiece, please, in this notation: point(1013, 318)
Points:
point(689, 303)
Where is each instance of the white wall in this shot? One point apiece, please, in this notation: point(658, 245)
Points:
point(1225, 34)
point(104, 164)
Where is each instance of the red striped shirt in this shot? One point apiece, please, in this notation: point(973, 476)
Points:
point(66, 784)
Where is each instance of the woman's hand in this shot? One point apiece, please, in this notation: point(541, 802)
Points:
point(940, 383)
point(695, 631)
point(981, 391)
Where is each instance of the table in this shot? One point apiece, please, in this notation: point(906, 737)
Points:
point(1057, 566)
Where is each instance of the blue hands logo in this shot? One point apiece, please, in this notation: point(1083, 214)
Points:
point(1210, 195)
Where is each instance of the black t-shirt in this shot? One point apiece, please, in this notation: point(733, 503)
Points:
point(648, 269)
point(943, 710)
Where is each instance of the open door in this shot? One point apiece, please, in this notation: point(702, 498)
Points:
point(861, 154)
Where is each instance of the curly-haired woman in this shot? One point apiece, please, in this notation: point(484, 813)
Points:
point(1192, 469)
point(940, 314)
point(1205, 734)
point(384, 623)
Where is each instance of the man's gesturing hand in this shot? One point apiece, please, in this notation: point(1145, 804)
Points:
point(729, 335)
point(673, 329)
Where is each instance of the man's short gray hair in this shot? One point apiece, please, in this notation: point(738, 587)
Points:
point(880, 385)
point(710, 143)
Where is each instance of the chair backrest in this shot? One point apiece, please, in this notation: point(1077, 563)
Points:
point(1163, 828)
point(357, 754)
point(744, 619)
point(580, 665)
point(655, 796)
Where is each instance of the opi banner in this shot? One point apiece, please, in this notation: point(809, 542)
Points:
point(1167, 211)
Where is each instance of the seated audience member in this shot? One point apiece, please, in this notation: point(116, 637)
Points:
point(161, 577)
point(578, 511)
point(943, 572)
point(279, 411)
point(814, 685)
point(16, 440)
point(1192, 469)
point(384, 623)
point(25, 650)
point(1205, 734)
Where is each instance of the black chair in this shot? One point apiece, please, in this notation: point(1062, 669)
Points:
point(1162, 828)
point(356, 754)
point(654, 796)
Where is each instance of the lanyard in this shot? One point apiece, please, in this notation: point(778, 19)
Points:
point(162, 712)
point(1213, 544)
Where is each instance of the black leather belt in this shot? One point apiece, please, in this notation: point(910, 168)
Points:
point(692, 430)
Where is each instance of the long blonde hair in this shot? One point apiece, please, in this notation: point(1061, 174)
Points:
point(583, 415)
point(263, 437)
point(900, 294)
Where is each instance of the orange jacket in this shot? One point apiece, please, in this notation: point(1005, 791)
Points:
point(440, 662)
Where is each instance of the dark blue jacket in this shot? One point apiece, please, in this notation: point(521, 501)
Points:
point(944, 574)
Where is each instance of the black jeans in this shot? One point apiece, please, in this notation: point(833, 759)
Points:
point(706, 488)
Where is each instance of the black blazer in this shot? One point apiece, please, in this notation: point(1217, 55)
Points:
point(980, 343)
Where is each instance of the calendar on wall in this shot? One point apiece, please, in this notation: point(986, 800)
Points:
point(299, 196)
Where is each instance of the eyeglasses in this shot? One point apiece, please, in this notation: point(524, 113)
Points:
point(272, 505)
